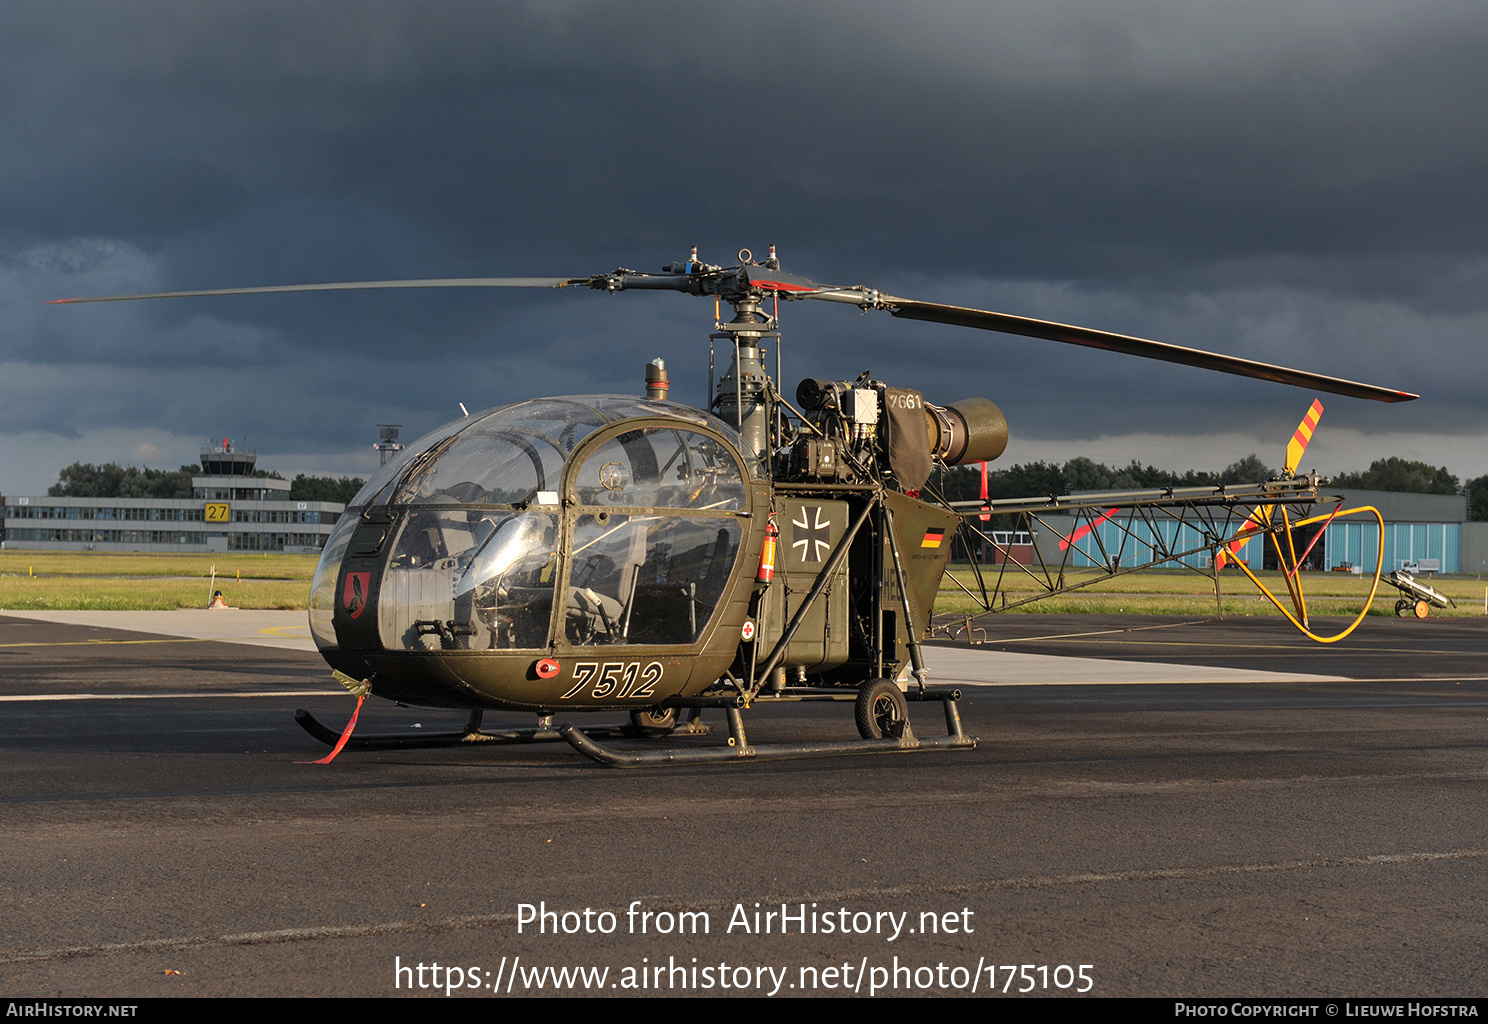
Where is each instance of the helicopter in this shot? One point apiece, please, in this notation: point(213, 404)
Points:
point(629, 553)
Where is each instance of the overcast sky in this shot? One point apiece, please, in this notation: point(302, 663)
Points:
point(1300, 182)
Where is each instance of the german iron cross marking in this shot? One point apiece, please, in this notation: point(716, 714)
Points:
point(811, 535)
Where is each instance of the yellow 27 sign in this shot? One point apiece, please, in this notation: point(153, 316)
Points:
point(216, 512)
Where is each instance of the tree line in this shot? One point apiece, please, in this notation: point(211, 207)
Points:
point(111, 480)
point(963, 483)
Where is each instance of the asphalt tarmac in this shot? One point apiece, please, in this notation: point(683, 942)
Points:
point(1200, 809)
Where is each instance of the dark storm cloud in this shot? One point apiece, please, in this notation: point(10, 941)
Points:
point(1295, 182)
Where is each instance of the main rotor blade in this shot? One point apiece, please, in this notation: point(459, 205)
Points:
point(433, 282)
point(1051, 331)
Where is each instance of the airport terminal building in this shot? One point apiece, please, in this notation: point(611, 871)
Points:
point(230, 509)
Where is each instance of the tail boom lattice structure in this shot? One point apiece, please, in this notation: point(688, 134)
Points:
point(1171, 527)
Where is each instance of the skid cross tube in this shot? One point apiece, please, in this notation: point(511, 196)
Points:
point(471, 734)
point(739, 748)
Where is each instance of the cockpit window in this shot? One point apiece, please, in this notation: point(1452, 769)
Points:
point(647, 579)
point(654, 576)
point(323, 588)
point(661, 467)
point(465, 573)
point(501, 467)
point(504, 456)
point(469, 580)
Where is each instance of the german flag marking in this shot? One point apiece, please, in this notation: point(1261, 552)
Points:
point(933, 537)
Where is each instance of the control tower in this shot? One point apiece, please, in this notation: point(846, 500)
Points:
point(225, 460)
point(387, 445)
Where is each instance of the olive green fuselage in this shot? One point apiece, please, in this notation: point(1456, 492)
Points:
point(626, 573)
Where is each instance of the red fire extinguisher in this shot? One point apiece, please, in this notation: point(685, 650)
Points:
point(767, 553)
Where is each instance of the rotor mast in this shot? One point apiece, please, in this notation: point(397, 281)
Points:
point(742, 396)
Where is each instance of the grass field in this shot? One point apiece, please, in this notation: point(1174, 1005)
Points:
point(119, 581)
point(64, 580)
point(1188, 593)
point(252, 565)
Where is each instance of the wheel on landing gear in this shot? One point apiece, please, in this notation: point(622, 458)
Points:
point(653, 723)
point(881, 711)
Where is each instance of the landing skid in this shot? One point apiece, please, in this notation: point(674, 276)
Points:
point(473, 733)
point(738, 748)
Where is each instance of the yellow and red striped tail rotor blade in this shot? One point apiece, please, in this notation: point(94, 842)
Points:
point(1298, 444)
point(1295, 447)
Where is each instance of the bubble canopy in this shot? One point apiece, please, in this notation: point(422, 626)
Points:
point(507, 455)
point(485, 554)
